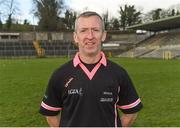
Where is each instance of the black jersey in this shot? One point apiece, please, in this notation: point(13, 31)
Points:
point(90, 98)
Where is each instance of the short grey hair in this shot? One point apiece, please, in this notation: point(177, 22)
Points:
point(88, 14)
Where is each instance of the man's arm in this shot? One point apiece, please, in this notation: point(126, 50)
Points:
point(128, 119)
point(53, 121)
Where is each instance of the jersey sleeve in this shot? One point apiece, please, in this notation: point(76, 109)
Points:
point(129, 101)
point(51, 103)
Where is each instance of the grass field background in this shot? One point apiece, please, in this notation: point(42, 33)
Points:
point(23, 82)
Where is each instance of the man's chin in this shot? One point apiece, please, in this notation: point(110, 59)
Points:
point(92, 53)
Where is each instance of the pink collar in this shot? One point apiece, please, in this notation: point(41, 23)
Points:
point(76, 60)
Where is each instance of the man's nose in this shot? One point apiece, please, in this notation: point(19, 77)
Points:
point(90, 34)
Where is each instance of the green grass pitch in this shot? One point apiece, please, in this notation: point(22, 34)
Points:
point(23, 82)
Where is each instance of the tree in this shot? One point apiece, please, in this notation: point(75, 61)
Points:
point(159, 14)
point(48, 12)
point(69, 19)
point(26, 22)
point(175, 9)
point(1, 24)
point(9, 22)
point(162, 13)
point(11, 9)
point(129, 16)
point(105, 17)
point(156, 14)
point(115, 25)
point(177, 13)
point(123, 16)
point(1, 2)
point(8, 10)
point(165, 13)
point(173, 12)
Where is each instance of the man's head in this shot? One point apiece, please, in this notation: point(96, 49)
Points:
point(89, 33)
point(88, 14)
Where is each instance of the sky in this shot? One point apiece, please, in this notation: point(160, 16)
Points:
point(99, 6)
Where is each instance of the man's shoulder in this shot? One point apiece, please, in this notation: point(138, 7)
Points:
point(114, 65)
point(64, 68)
point(116, 68)
point(66, 65)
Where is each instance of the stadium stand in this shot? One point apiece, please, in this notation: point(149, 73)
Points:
point(161, 40)
point(159, 25)
point(156, 46)
point(17, 48)
point(163, 43)
point(11, 45)
point(46, 44)
point(118, 42)
point(58, 48)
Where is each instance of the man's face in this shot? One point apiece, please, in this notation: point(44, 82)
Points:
point(89, 35)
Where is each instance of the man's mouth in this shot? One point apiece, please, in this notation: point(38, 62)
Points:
point(90, 43)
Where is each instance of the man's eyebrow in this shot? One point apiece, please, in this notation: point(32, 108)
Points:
point(83, 28)
point(91, 28)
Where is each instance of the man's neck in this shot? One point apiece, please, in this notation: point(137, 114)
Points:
point(90, 59)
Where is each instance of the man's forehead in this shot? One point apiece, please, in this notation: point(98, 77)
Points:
point(94, 17)
point(86, 21)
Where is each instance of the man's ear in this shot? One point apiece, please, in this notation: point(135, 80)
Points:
point(104, 36)
point(75, 37)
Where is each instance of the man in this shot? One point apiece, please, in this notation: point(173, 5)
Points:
point(89, 90)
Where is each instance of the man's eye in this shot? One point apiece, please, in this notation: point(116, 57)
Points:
point(83, 30)
point(96, 30)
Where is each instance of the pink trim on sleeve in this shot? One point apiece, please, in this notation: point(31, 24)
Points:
point(132, 105)
point(49, 107)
